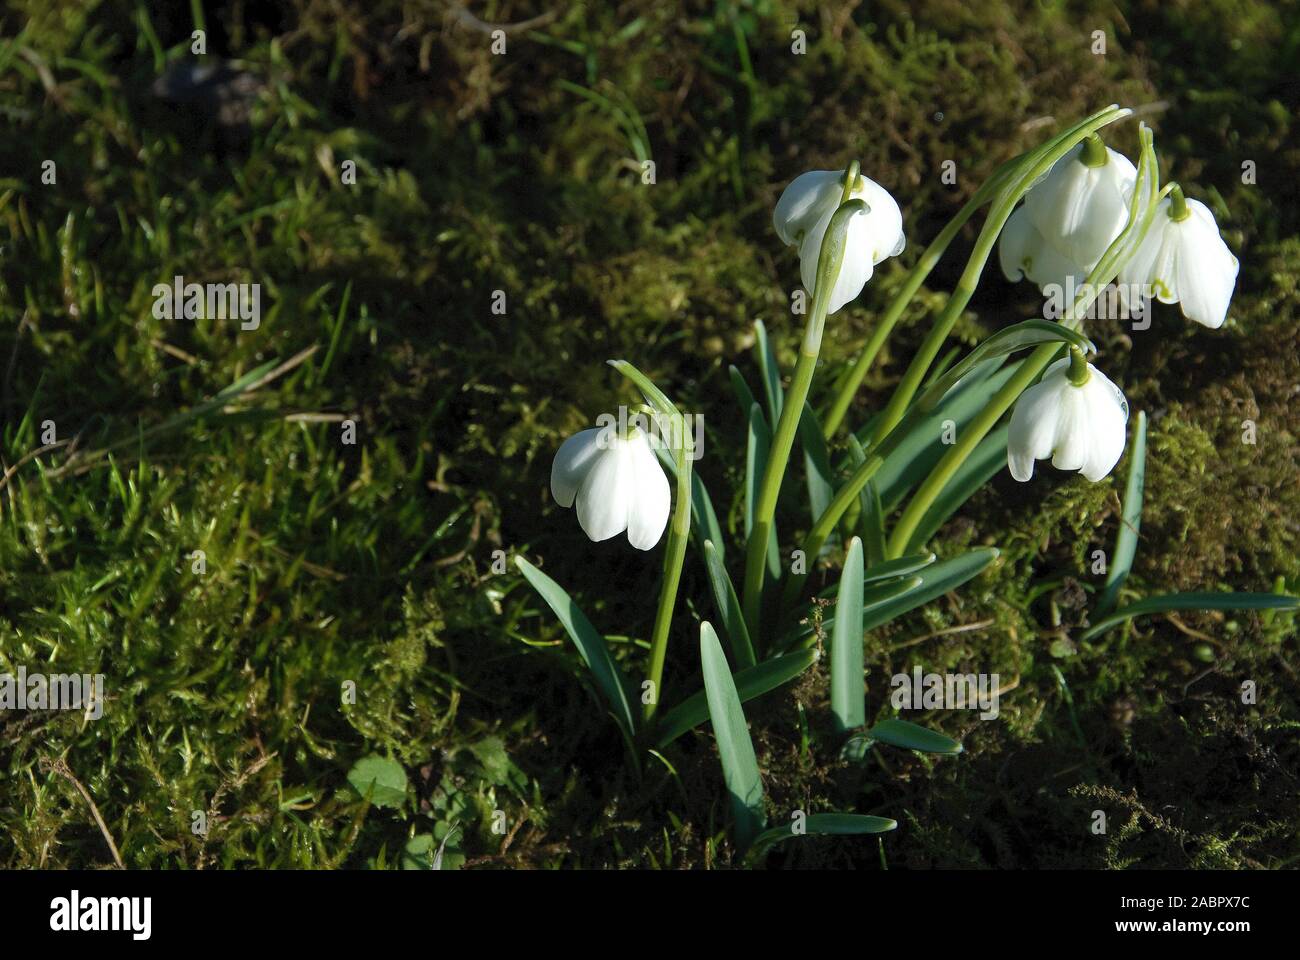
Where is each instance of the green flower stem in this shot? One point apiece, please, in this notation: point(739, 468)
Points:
point(829, 260)
point(851, 381)
point(1117, 254)
point(1036, 166)
point(847, 494)
point(678, 534)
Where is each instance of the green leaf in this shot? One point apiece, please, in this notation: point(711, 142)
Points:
point(848, 701)
point(982, 465)
point(1193, 601)
point(750, 683)
point(935, 580)
point(880, 596)
point(743, 394)
point(816, 461)
point(736, 750)
point(912, 736)
point(872, 514)
point(822, 825)
point(757, 446)
point(379, 780)
point(1018, 336)
point(900, 567)
point(728, 606)
point(769, 371)
point(1130, 522)
point(589, 642)
point(922, 447)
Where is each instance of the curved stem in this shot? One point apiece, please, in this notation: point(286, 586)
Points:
point(1039, 164)
point(829, 260)
point(852, 380)
point(1117, 254)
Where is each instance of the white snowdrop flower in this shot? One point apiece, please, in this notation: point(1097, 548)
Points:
point(1182, 259)
point(1075, 415)
point(804, 212)
point(1069, 218)
point(617, 482)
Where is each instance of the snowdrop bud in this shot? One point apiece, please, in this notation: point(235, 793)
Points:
point(1070, 217)
point(804, 212)
point(1182, 259)
point(1074, 415)
point(618, 485)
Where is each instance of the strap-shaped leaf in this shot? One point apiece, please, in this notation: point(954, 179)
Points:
point(821, 825)
point(743, 394)
point(816, 461)
point(1018, 336)
point(871, 521)
point(936, 580)
point(770, 372)
point(735, 749)
point(922, 447)
point(877, 597)
point(912, 736)
point(982, 465)
point(848, 700)
point(1170, 602)
point(750, 683)
point(728, 607)
point(588, 640)
point(1130, 521)
point(756, 450)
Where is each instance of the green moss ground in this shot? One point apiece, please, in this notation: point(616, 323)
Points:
point(372, 563)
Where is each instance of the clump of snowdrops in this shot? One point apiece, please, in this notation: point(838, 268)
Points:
point(1072, 216)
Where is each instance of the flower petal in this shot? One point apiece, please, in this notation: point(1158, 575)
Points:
point(1205, 269)
point(651, 496)
point(1032, 431)
point(606, 494)
point(804, 202)
point(572, 461)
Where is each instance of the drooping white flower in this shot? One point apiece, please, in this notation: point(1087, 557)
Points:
point(1069, 218)
point(1081, 426)
point(804, 212)
point(617, 482)
point(1184, 261)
